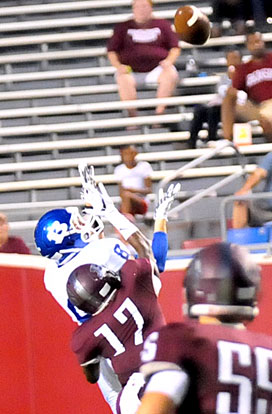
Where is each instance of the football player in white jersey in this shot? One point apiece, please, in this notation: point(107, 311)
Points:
point(72, 240)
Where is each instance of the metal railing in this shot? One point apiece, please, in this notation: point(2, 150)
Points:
point(229, 199)
point(210, 190)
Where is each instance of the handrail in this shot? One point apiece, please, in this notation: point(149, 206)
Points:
point(211, 189)
point(102, 106)
point(90, 125)
point(227, 200)
point(193, 163)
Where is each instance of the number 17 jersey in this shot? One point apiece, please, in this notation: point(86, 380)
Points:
point(118, 332)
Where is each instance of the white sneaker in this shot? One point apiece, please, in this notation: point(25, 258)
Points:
point(200, 143)
point(214, 144)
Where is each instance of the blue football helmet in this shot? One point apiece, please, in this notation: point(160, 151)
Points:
point(64, 230)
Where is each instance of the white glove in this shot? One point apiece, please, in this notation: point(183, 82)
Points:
point(95, 194)
point(77, 220)
point(165, 200)
point(100, 202)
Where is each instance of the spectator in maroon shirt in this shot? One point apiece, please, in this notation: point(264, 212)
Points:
point(10, 244)
point(255, 78)
point(143, 50)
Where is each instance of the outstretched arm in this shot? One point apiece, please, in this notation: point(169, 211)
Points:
point(97, 198)
point(160, 237)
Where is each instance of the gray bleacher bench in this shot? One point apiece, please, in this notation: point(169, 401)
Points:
point(105, 124)
point(88, 52)
point(179, 155)
point(94, 89)
point(62, 145)
point(82, 21)
point(108, 124)
point(65, 182)
point(95, 107)
point(70, 6)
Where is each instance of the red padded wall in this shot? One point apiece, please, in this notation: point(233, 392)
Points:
point(39, 373)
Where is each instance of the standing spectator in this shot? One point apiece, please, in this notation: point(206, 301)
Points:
point(255, 78)
point(10, 244)
point(143, 50)
point(254, 213)
point(267, 8)
point(212, 364)
point(211, 112)
point(259, 14)
point(134, 179)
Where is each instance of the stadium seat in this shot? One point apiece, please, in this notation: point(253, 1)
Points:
point(249, 235)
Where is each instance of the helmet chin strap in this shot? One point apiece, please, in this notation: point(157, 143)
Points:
point(106, 303)
point(56, 256)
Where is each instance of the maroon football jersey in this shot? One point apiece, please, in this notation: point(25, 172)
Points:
point(255, 78)
point(230, 370)
point(119, 331)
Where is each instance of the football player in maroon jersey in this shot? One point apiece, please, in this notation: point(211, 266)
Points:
point(211, 365)
point(123, 304)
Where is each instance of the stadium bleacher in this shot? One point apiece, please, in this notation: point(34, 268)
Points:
point(59, 104)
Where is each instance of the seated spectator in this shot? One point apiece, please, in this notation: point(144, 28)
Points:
point(211, 112)
point(143, 50)
point(256, 212)
point(255, 78)
point(134, 179)
point(10, 244)
point(236, 11)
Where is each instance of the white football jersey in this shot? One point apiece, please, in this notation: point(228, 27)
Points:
point(109, 252)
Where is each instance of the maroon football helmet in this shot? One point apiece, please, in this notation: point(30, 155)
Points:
point(222, 280)
point(90, 287)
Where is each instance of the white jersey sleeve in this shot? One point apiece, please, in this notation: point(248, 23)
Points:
point(109, 252)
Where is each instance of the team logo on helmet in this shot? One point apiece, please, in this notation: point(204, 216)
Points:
point(62, 231)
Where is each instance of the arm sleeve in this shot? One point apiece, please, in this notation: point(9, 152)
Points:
point(160, 248)
point(172, 383)
point(115, 42)
point(147, 169)
point(266, 162)
point(238, 81)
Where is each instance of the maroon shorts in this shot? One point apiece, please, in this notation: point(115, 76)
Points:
point(140, 207)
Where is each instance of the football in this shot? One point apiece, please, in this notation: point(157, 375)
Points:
point(192, 25)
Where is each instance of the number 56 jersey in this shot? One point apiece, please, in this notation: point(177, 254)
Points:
point(118, 332)
point(228, 370)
